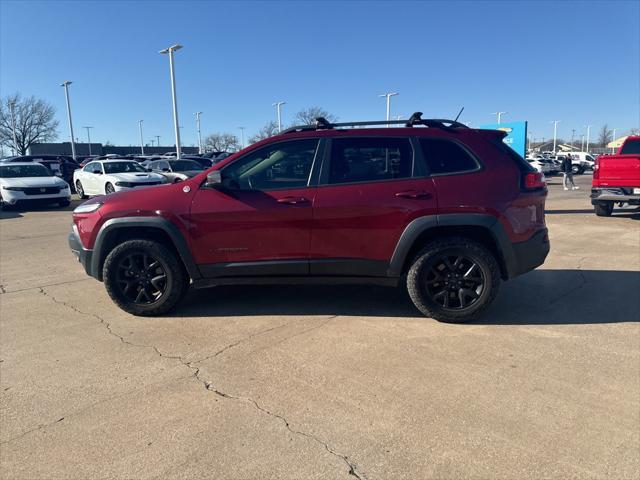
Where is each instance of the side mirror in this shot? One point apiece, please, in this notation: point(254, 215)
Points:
point(214, 179)
point(165, 169)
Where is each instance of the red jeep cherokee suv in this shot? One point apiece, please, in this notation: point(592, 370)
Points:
point(448, 210)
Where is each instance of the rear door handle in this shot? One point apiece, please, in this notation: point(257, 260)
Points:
point(293, 200)
point(413, 194)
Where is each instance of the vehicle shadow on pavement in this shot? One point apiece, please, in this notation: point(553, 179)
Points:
point(633, 213)
point(541, 297)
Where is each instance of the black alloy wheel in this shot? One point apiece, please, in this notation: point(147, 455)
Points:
point(454, 282)
point(141, 278)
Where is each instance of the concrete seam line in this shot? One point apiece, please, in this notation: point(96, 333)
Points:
point(353, 470)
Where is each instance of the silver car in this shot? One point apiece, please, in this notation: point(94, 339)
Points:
point(175, 170)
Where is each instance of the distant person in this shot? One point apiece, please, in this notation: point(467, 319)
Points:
point(567, 181)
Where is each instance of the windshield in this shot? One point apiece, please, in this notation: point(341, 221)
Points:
point(122, 167)
point(16, 171)
point(185, 165)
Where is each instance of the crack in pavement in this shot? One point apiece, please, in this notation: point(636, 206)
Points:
point(583, 279)
point(3, 289)
point(352, 467)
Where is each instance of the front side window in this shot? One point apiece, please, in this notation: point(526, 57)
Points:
point(369, 159)
point(282, 165)
point(445, 156)
point(122, 167)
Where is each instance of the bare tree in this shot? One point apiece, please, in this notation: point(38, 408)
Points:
point(34, 122)
point(269, 130)
point(307, 116)
point(221, 142)
point(605, 135)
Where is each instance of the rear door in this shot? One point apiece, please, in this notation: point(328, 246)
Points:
point(370, 189)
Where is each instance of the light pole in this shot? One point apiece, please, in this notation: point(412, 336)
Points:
point(278, 105)
point(158, 138)
point(499, 115)
point(573, 134)
point(12, 105)
point(582, 143)
point(66, 84)
point(89, 138)
point(613, 140)
point(388, 97)
point(141, 138)
point(241, 137)
point(170, 51)
point(588, 127)
point(198, 128)
point(153, 142)
point(555, 132)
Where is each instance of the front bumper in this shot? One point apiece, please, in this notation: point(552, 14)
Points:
point(13, 197)
point(614, 194)
point(530, 254)
point(83, 255)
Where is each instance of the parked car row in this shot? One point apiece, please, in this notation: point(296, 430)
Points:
point(580, 161)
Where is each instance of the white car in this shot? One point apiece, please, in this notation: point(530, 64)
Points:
point(542, 167)
point(103, 177)
point(27, 182)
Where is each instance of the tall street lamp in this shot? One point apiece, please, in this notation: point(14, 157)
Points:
point(66, 84)
point(141, 138)
point(499, 115)
point(278, 105)
point(588, 127)
point(170, 51)
point(158, 140)
point(89, 138)
point(388, 97)
point(241, 137)
point(555, 133)
point(199, 135)
point(12, 105)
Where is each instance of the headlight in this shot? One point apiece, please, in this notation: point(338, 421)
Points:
point(15, 189)
point(64, 187)
point(87, 207)
point(124, 184)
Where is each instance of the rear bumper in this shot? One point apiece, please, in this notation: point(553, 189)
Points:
point(83, 255)
point(529, 254)
point(614, 194)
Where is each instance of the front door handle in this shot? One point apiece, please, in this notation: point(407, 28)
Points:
point(413, 194)
point(293, 200)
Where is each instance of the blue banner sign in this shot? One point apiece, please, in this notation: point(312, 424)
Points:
point(516, 135)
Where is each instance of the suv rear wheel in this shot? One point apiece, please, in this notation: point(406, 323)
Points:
point(453, 280)
point(144, 277)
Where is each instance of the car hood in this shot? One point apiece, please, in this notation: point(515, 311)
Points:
point(136, 176)
point(33, 182)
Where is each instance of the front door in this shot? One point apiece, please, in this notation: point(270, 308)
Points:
point(259, 221)
point(370, 189)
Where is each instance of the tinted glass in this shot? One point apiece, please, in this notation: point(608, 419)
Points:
point(444, 156)
point(631, 147)
point(15, 171)
point(122, 167)
point(185, 165)
point(277, 166)
point(369, 159)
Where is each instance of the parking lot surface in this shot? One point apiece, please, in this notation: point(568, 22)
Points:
point(324, 382)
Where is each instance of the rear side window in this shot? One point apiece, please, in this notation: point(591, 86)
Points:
point(369, 159)
point(445, 156)
point(631, 147)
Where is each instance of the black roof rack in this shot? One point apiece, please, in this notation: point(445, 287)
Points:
point(415, 119)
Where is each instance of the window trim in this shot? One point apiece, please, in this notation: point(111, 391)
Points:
point(323, 180)
point(425, 159)
point(311, 179)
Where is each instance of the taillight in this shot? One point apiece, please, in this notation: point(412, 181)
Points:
point(534, 181)
point(596, 169)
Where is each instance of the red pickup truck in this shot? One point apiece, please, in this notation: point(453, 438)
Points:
point(616, 178)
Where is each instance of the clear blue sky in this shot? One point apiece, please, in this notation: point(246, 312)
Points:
point(577, 62)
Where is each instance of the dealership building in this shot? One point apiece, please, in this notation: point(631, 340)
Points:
point(64, 148)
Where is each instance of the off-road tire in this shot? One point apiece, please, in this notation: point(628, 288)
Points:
point(80, 191)
point(176, 281)
point(604, 209)
point(416, 278)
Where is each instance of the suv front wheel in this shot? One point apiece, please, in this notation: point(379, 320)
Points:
point(453, 280)
point(144, 277)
